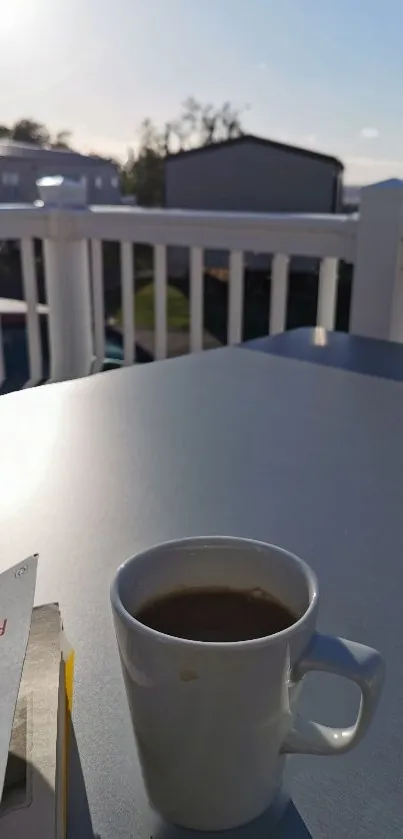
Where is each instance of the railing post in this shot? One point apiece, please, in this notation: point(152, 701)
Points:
point(377, 292)
point(67, 278)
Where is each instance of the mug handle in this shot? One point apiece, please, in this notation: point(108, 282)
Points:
point(361, 665)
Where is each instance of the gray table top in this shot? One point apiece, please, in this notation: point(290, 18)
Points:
point(232, 442)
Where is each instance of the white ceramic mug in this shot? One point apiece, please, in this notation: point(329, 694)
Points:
point(213, 721)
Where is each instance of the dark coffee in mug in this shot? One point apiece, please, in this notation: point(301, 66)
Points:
point(216, 614)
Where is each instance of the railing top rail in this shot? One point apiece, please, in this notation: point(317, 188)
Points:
point(288, 233)
point(168, 216)
point(304, 235)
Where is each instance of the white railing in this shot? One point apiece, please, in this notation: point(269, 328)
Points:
point(73, 233)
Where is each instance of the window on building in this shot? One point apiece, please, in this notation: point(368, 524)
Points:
point(98, 182)
point(10, 178)
point(115, 182)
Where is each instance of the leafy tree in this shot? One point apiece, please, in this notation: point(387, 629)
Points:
point(197, 125)
point(62, 140)
point(143, 174)
point(30, 131)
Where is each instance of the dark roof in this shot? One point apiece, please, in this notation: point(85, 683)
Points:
point(10, 148)
point(261, 141)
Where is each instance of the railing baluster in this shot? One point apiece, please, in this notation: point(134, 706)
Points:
point(278, 293)
point(327, 294)
point(235, 306)
point(2, 364)
point(126, 257)
point(32, 316)
point(196, 299)
point(98, 303)
point(160, 301)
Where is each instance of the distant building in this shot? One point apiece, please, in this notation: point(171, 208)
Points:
point(253, 175)
point(21, 164)
point(351, 198)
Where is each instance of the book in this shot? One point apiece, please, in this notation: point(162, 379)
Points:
point(34, 767)
point(17, 589)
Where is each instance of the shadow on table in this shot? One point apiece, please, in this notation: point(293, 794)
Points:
point(79, 823)
point(290, 826)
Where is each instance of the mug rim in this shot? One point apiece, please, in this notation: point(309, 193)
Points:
point(191, 541)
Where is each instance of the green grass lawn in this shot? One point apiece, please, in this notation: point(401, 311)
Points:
point(177, 308)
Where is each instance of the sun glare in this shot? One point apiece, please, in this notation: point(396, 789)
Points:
point(16, 16)
point(9, 18)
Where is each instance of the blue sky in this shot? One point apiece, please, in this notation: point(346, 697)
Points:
point(322, 73)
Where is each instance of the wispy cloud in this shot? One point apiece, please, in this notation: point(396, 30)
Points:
point(262, 66)
point(369, 133)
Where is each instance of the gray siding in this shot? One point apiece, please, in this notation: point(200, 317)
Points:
point(250, 177)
